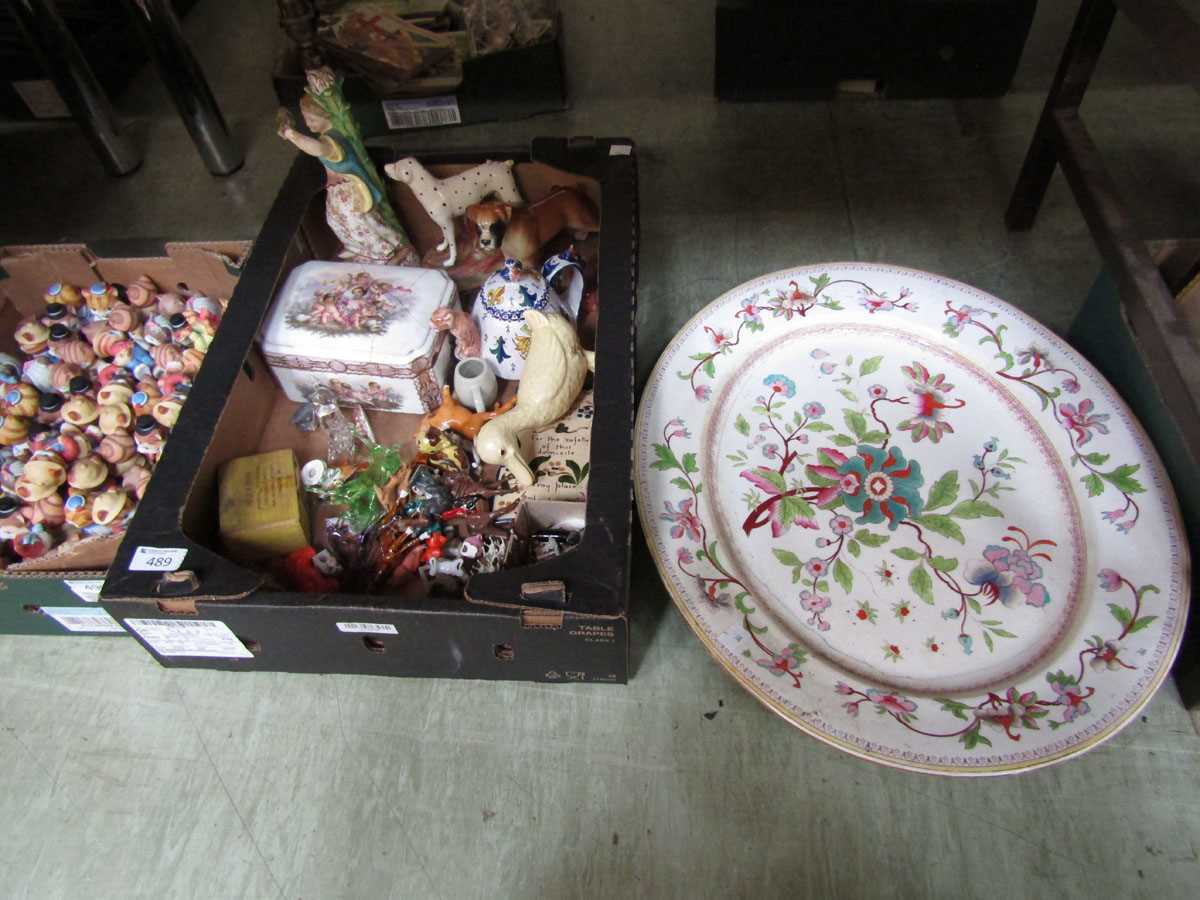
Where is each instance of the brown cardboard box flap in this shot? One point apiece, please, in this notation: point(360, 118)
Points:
point(90, 553)
point(31, 268)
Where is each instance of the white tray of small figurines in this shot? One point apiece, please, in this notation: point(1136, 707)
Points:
point(911, 520)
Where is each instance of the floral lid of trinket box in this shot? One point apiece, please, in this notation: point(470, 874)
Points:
point(363, 331)
point(910, 519)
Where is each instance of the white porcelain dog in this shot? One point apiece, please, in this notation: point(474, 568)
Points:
point(444, 198)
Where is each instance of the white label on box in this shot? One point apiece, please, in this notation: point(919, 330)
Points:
point(366, 628)
point(82, 618)
point(190, 637)
point(423, 113)
point(86, 589)
point(620, 149)
point(157, 559)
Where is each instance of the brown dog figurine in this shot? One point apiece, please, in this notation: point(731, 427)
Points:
point(521, 232)
point(453, 415)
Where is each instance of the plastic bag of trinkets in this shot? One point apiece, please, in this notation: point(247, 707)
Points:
point(86, 408)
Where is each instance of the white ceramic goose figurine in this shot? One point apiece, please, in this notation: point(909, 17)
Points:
point(554, 372)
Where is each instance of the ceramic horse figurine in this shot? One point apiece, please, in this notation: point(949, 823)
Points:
point(554, 372)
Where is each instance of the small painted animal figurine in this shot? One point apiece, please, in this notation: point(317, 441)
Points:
point(445, 198)
point(554, 374)
point(522, 233)
point(461, 326)
point(453, 415)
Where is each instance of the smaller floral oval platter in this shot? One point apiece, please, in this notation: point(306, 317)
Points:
point(910, 519)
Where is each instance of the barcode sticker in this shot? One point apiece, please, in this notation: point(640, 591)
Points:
point(620, 149)
point(86, 589)
point(423, 113)
point(157, 559)
point(83, 619)
point(366, 628)
point(190, 637)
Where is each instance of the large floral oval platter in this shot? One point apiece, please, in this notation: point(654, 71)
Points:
point(910, 519)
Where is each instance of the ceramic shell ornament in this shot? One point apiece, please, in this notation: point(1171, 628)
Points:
point(108, 506)
point(141, 292)
point(32, 336)
point(500, 310)
point(87, 473)
point(80, 410)
point(13, 430)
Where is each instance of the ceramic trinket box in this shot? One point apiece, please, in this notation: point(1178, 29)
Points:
point(363, 332)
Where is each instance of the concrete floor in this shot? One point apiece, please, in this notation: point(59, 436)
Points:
point(121, 779)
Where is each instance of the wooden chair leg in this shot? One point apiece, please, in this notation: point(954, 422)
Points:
point(1075, 70)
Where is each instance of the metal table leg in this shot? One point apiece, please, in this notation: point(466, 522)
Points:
point(65, 63)
point(181, 73)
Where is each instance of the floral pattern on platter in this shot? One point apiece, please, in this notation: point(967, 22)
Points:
point(1033, 369)
point(880, 515)
point(876, 484)
point(779, 304)
point(1015, 711)
point(352, 304)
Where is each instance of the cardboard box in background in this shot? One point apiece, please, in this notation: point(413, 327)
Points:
point(57, 594)
point(503, 86)
point(563, 619)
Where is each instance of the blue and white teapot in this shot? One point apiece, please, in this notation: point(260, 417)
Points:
point(500, 310)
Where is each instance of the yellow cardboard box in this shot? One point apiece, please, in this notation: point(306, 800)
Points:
point(261, 508)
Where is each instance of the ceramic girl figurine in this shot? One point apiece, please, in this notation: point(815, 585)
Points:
point(554, 374)
point(356, 205)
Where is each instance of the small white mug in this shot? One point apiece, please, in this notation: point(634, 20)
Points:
point(475, 384)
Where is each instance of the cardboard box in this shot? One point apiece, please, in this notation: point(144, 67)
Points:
point(261, 510)
point(68, 574)
point(510, 84)
point(562, 619)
